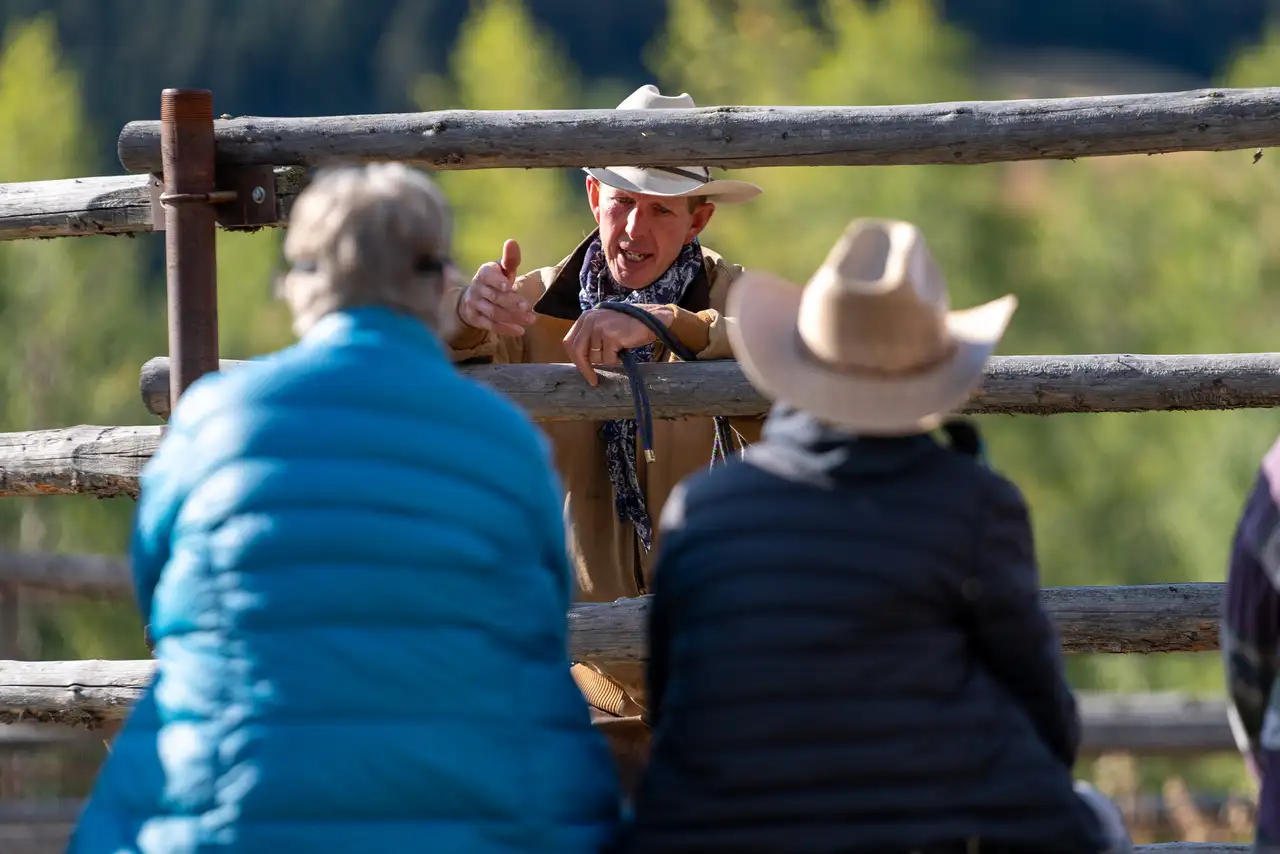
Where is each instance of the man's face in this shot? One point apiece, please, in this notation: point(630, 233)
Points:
point(642, 235)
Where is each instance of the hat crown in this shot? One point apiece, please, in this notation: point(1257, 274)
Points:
point(878, 304)
point(648, 97)
point(669, 181)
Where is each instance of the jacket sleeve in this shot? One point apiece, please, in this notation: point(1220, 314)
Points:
point(468, 343)
point(1013, 633)
point(1250, 628)
point(706, 332)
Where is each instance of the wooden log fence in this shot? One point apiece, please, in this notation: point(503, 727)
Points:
point(734, 137)
point(87, 575)
point(1105, 618)
point(114, 205)
point(106, 461)
point(1159, 724)
point(1012, 385)
point(946, 133)
point(1109, 619)
point(91, 693)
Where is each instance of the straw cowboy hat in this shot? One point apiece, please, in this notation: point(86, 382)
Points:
point(671, 181)
point(869, 344)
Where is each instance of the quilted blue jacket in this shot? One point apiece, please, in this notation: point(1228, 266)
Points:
point(352, 562)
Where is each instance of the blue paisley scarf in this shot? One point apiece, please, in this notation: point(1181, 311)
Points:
point(620, 436)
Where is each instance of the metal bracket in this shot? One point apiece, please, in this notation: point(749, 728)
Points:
point(245, 198)
point(156, 188)
point(253, 200)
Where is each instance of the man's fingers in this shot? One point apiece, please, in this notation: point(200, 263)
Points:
point(510, 259)
point(505, 300)
point(577, 343)
point(505, 313)
point(491, 274)
point(609, 352)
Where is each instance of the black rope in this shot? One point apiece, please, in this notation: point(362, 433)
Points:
point(640, 395)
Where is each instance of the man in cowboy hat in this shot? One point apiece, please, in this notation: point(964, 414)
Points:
point(645, 252)
point(847, 648)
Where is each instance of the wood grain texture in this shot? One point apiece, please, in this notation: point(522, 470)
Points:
point(80, 693)
point(968, 132)
point(102, 461)
point(117, 204)
point(1012, 385)
point(102, 576)
point(1091, 619)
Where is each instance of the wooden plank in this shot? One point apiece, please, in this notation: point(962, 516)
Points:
point(734, 137)
point(1168, 614)
point(102, 461)
point(1012, 385)
point(103, 576)
point(79, 693)
point(42, 736)
point(1154, 724)
point(1149, 618)
point(116, 204)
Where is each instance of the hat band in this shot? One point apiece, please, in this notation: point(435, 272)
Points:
point(872, 371)
point(684, 173)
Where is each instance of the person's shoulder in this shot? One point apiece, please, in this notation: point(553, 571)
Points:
point(718, 489)
point(215, 393)
point(719, 269)
point(999, 493)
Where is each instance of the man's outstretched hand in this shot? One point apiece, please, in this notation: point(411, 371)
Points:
point(491, 302)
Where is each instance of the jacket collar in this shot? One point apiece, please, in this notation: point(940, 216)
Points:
point(561, 297)
point(352, 324)
point(794, 444)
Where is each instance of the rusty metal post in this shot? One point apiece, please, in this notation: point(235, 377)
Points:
point(190, 192)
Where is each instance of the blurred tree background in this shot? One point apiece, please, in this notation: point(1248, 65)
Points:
point(1167, 254)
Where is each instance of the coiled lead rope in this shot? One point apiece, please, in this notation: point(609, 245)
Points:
point(640, 395)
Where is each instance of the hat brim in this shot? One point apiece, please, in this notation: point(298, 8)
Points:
point(764, 311)
point(648, 182)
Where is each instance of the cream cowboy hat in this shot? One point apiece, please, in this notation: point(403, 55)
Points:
point(669, 181)
point(869, 344)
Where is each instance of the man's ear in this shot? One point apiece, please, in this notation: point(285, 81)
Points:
point(593, 196)
point(701, 216)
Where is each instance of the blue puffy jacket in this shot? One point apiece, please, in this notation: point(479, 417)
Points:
point(352, 562)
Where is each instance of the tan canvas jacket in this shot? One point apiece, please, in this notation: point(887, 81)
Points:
point(606, 554)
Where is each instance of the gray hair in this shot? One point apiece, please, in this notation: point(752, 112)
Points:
point(375, 234)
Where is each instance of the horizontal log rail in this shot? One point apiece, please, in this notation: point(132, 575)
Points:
point(101, 461)
point(1012, 385)
point(1162, 617)
point(1159, 724)
point(969, 132)
point(1146, 618)
point(100, 576)
point(118, 204)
